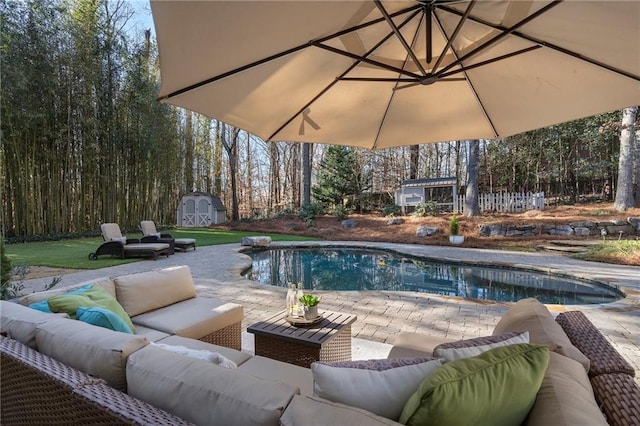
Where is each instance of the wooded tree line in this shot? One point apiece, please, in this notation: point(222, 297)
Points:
point(84, 140)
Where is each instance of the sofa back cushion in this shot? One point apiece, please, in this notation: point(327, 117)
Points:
point(93, 350)
point(104, 282)
point(204, 393)
point(532, 316)
point(19, 322)
point(304, 408)
point(565, 397)
point(147, 291)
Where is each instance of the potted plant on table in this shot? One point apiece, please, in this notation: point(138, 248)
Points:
point(454, 238)
point(310, 305)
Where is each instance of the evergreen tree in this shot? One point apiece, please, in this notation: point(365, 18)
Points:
point(340, 177)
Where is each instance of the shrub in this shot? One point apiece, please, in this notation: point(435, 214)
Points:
point(5, 272)
point(453, 225)
point(340, 212)
point(392, 210)
point(430, 208)
point(308, 212)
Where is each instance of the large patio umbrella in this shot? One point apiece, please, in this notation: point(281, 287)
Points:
point(379, 74)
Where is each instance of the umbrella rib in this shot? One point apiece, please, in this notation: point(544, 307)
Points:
point(388, 80)
point(364, 59)
point(503, 32)
point(234, 71)
point(469, 82)
point(551, 46)
point(457, 30)
point(465, 68)
point(348, 70)
point(281, 54)
point(396, 30)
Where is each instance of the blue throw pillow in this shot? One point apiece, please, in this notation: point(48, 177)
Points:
point(102, 317)
point(44, 304)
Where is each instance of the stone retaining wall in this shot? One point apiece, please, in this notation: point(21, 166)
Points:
point(629, 227)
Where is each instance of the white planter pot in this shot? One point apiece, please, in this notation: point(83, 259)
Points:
point(310, 312)
point(456, 239)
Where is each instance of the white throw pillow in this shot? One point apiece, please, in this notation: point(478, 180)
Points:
point(379, 386)
point(474, 347)
point(213, 357)
point(121, 240)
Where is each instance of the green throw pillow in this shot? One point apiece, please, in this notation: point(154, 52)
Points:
point(495, 388)
point(94, 297)
point(43, 305)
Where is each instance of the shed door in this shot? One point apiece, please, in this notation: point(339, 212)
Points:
point(196, 212)
point(189, 213)
point(203, 213)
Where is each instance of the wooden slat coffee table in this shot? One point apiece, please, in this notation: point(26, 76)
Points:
point(329, 340)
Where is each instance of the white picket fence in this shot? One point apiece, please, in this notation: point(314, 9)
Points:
point(505, 202)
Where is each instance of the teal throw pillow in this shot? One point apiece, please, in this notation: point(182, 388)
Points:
point(495, 388)
point(94, 297)
point(102, 317)
point(44, 304)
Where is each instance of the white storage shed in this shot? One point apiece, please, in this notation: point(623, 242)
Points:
point(199, 210)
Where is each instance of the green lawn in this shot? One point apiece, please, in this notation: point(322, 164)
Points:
point(74, 254)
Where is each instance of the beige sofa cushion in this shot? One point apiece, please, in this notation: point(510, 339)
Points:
point(270, 369)
point(532, 316)
point(195, 317)
point(565, 397)
point(415, 345)
point(151, 334)
point(203, 393)
point(237, 357)
point(104, 282)
point(308, 411)
point(20, 322)
point(93, 350)
point(147, 291)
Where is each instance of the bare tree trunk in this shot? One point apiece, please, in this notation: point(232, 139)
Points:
point(624, 188)
point(471, 207)
point(249, 182)
point(230, 143)
point(305, 193)
point(636, 166)
point(274, 176)
point(188, 152)
point(217, 160)
point(414, 156)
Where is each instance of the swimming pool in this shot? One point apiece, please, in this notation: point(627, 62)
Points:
point(357, 269)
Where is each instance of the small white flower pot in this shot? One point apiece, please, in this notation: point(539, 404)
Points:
point(456, 239)
point(310, 312)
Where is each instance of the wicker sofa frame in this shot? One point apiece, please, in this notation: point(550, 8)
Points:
point(611, 376)
point(38, 390)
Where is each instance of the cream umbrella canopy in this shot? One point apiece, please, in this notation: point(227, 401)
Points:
point(379, 74)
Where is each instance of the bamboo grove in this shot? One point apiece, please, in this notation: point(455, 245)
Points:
point(84, 140)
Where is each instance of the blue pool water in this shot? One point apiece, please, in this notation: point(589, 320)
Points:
point(351, 269)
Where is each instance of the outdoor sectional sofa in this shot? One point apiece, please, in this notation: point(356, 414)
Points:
point(59, 370)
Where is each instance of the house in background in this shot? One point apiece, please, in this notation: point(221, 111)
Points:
point(443, 191)
point(200, 210)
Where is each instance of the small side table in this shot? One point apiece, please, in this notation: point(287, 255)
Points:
point(329, 340)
